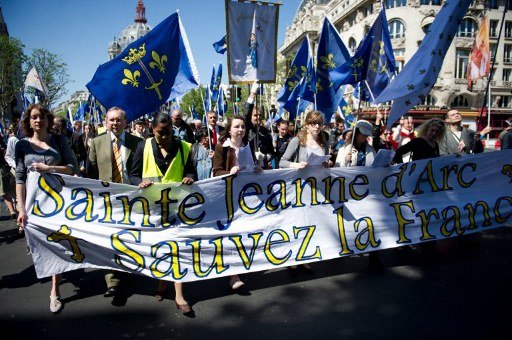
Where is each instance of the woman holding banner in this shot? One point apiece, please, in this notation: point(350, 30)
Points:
point(163, 159)
point(233, 155)
point(43, 152)
point(310, 140)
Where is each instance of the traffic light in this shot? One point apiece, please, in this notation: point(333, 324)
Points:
point(238, 94)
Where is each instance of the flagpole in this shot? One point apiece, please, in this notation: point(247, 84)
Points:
point(491, 73)
point(204, 109)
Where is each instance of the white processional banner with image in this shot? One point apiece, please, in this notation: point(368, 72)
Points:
point(253, 222)
point(252, 41)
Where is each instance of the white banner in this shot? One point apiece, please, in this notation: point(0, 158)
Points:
point(253, 222)
point(252, 41)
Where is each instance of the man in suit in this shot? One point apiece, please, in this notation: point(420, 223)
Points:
point(215, 129)
point(103, 164)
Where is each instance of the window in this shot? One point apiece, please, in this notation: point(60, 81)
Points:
point(493, 4)
point(396, 29)
point(507, 74)
point(508, 29)
point(492, 49)
point(507, 53)
point(352, 45)
point(431, 2)
point(460, 101)
point(395, 3)
point(429, 101)
point(467, 28)
point(493, 28)
point(501, 101)
point(462, 64)
point(399, 59)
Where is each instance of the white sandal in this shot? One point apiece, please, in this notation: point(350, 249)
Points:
point(55, 304)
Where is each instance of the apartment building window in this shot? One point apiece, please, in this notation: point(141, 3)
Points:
point(493, 4)
point(492, 48)
point(429, 101)
point(399, 58)
point(460, 101)
point(352, 45)
point(501, 101)
point(507, 74)
point(467, 28)
point(462, 64)
point(507, 53)
point(431, 2)
point(395, 3)
point(493, 28)
point(508, 29)
point(396, 29)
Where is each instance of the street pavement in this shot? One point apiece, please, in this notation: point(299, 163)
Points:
point(464, 293)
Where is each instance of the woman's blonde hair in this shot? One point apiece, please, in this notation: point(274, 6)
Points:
point(423, 128)
point(313, 117)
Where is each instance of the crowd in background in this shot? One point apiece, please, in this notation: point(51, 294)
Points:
point(167, 149)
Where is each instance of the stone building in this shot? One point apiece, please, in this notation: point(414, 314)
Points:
point(408, 21)
point(131, 33)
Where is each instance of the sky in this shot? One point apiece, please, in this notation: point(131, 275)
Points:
point(79, 31)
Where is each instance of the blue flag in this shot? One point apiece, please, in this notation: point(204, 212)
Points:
point(80, 111)
point(419, 75)
point(373, 62)
point(346, 114)
point(221, 46)
point(212, 82)
point(157, 67)
point(299, 69)
point(208, 100)
point(221, 104)
point(295, 104)
point(331, 53)
point(194, 113)
point(235, 108)
point(216, 80)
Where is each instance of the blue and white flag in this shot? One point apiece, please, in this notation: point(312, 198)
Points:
point(331, 53)
point(419, 75)
point(373, 62)
point(194, 113)
point(157, 67)
point(251, 37)
point(220, 46)
point(221, 106)
point(216, 80)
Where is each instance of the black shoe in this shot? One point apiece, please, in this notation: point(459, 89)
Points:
point(112, 291)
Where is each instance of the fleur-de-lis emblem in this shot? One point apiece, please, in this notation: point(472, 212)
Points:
point(304, 70)
point(292, 84)
point(328, 62)
point(410, 87)
point(131, 77)
point(422, 71)
point(159, 62)
point(319, 86)
point(292, 72)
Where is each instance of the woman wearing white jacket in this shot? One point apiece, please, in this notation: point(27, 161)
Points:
point(360, 153)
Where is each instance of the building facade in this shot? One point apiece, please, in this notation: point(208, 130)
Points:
point(408, 21)
point(131, 33)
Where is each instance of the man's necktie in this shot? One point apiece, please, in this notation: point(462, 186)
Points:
point(117, 163)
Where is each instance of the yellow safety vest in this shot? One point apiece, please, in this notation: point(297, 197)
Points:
point(174, 173)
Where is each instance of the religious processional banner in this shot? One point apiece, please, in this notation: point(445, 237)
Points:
point(253, 222)
point(251, 41)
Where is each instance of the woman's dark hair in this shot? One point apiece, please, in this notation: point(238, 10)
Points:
point(202, 132)
point(25, 123)
point(226, 133)
point(163, 118)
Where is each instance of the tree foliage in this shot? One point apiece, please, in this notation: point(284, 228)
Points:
point(11, 79)
point(53, 70)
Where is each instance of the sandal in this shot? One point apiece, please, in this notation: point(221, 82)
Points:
point(55, 304)
point(184, 308)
